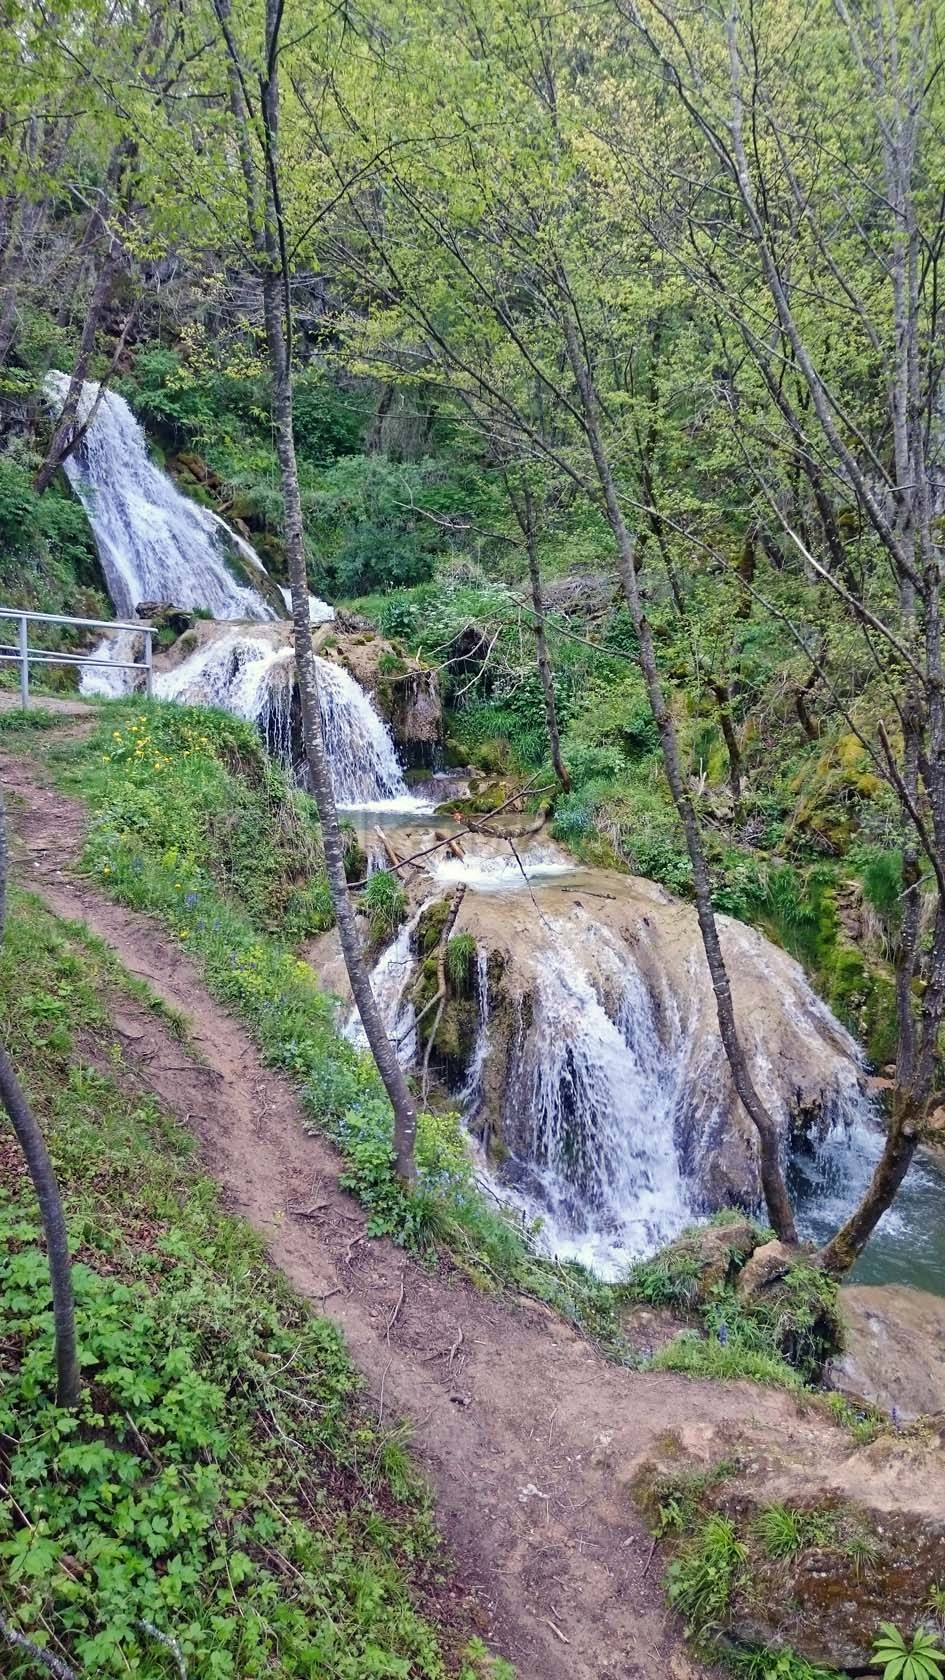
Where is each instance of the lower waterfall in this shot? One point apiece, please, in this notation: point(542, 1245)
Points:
point(251, 673)
point(595, 1090)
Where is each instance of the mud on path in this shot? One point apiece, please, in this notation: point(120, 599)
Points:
point(529, 1439)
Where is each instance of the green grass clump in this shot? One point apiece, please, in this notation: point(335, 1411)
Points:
point(219, 1482)
point(23, 722)
point(384, 902)
point(694, 1355)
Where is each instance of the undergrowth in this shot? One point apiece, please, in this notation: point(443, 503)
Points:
point(220, 1485)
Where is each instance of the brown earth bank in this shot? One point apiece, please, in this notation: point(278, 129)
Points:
point(531, 1441)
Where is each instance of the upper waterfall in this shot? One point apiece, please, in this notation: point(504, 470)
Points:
point(154, 544)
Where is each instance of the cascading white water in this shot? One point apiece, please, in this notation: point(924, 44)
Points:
point(154, 544)
point(364, 765)
point(390, 981)
point(598, 1072)
point(602, 1087)
point(252, 674)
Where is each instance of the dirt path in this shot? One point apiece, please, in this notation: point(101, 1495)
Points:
point(529, 1439)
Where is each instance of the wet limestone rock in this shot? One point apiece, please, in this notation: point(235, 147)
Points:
point(894, 1354)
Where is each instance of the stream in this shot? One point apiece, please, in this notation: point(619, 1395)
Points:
point(584, 1051)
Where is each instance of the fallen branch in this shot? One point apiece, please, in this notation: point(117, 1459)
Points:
point(471, 827)
point(46, 1659)
point(169, 1643)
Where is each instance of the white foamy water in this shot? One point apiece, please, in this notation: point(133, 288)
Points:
point(319, 612)
point(390, 983)
point(500, 873)
point(252, 674)
point(154, 544)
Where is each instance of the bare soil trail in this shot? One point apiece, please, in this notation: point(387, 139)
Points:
point(529, 1439)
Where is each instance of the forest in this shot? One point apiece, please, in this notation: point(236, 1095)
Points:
point(472, 839)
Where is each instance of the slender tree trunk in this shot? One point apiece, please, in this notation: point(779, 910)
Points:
point(723, 698)
point(65, 432)
point(545, 673)
point(772, 1175)
point(30, 1138)
point(277, 304)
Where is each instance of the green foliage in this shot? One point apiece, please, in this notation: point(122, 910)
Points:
point(384, 902)
point(21, 722)
point(47, 557)
point(702, 1579)
point(670, 1279)
point(784, 1532)
point(219, 1481)
point(776, 1665)
point(730, 1361)
point(920, 1658)
point(460, 960)
point(195, 788)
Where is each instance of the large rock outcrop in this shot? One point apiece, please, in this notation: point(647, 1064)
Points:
point(835, 1539)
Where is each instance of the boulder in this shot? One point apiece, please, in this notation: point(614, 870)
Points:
point(894, 1355)
point(713, 1253)
point(772, 1261)
point(165, 616)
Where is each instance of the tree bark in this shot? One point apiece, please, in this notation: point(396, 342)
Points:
point(33, 1144)
point(526, 518)
point(65, 432)
point(773, 1182)
point(723, 698)
point(278, 319)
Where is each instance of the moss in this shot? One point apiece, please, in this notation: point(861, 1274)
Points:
point(431, 924)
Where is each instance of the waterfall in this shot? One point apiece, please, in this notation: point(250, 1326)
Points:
point(390, 980)
point(251, 673)
point(154, 544)
point(599, 1088)
point(364, 765)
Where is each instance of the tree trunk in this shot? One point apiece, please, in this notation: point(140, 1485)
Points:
point(391, 1072)
point(541, 642)
point(847, 1244)
point(66, 434)
point(723, 698)
point(772, 1175)
point(31, 1141)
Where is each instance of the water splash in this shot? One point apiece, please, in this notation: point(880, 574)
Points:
point(154, 544)
point(117, 647)
point(364, 765)
point(390, 983)
point(319, 612)
point(602, 1094)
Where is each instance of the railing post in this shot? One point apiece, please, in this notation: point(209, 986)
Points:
point(24, 662)
point(149, 663)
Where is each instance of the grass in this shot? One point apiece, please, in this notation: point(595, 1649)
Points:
point(221, 1483)
point(36, 718)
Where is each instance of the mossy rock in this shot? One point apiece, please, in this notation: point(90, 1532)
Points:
point(431, 924)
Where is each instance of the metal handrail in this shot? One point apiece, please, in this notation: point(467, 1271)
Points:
point(24, 655)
